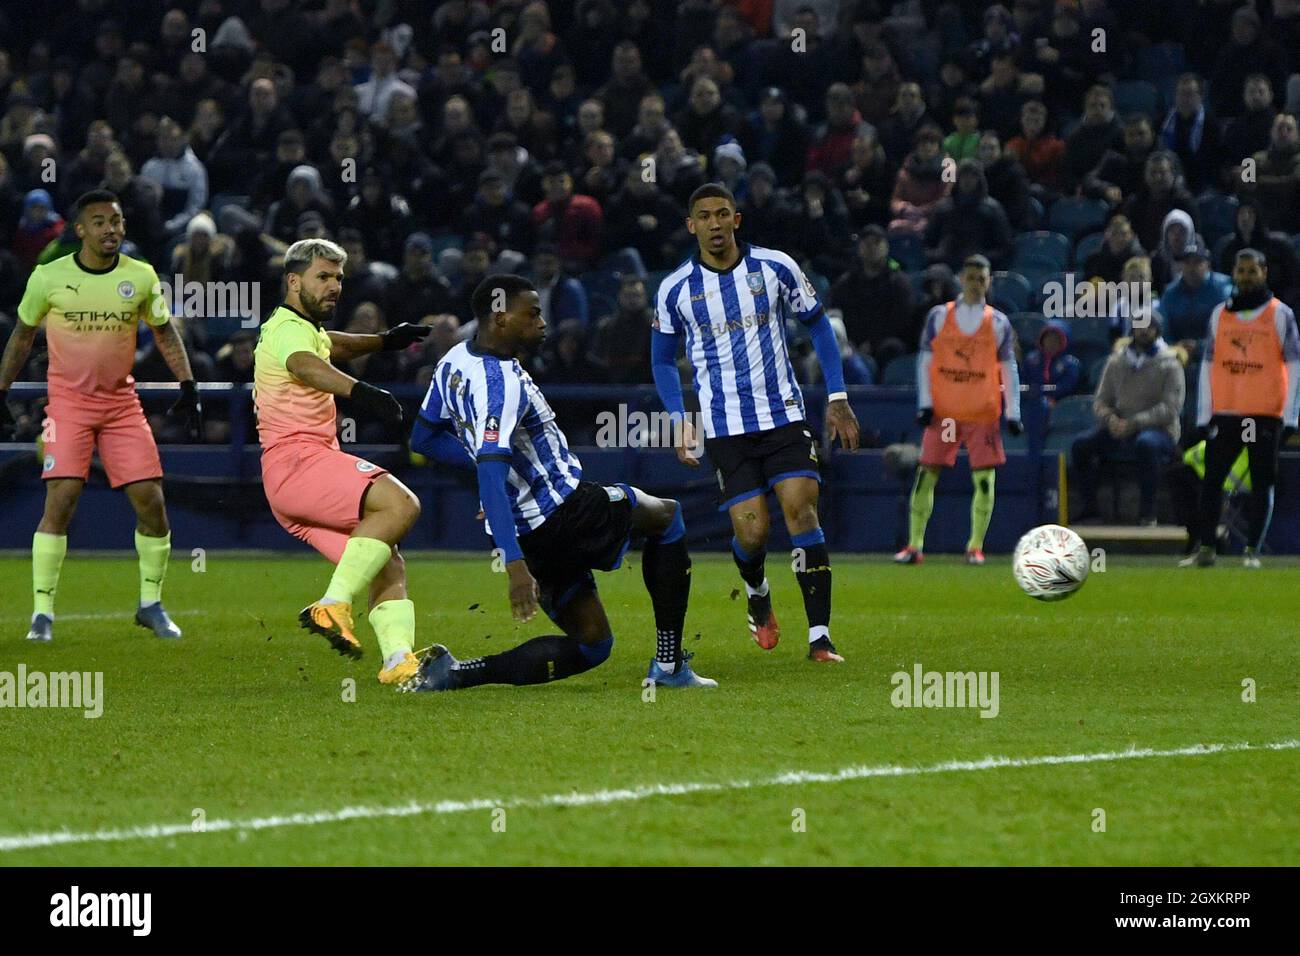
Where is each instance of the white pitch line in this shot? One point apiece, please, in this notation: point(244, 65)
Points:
point(104, 616)
point(27, 841)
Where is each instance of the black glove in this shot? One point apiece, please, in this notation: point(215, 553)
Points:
point(403, 335)
point(191, 408)
point(924, 417)
point(377, 402)
point(6, 419)
point(1016, 428)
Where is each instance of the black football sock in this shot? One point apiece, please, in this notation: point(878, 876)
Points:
point(666, 570)
point(815, 582)
point(751, 565)
point(537, 661)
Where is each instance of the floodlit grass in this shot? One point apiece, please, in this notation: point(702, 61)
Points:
point(246, 719)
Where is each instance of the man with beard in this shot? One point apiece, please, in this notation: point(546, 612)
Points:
point(348, 509)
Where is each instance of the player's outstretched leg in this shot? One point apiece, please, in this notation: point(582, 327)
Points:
point(392, 615)
point(981, 513)
point(388, 511)
point(586, 644)
point(666, 571)
point(798, 497)
point(920, 507)
point(49, 546)
point(153, 547)
point(751, 524)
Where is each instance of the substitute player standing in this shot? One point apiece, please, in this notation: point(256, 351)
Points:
point(92, 302)
point(731, 300)
point(965, 370)
point(551, 527)
point(1249, 393)
point(348, 509)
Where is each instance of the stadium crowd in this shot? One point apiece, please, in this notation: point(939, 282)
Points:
point(878, 143)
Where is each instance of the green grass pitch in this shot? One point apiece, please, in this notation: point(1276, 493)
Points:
point(245, 720)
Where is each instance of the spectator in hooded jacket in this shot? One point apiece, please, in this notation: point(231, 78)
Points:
point(1051, 366)
point(37, 228)
point(1176, 233)
point(969, 223)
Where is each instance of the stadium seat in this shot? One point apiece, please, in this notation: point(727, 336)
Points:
point(1027, 326)
point(1071, 417)
point(1009, 292)
point(1042, 244)
point(908, 250)
point(1095, 329)
point(1153, 63)
point(1041, 289)
point(1086, 247)
point(1137, 96)
point(1040, 214)
point(900, 372)
point(1076, 216)
point(1036, 269)
point(1218, 216)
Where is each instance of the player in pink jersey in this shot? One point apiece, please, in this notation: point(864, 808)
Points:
point(92, 303)
point(348, 509)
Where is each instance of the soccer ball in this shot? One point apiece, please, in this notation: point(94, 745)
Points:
point(1050, 563)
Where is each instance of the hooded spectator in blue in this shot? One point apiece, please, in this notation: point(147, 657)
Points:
point(37, 228)
point(1051, 367)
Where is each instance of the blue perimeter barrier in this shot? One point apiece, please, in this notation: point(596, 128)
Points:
point(215, 498)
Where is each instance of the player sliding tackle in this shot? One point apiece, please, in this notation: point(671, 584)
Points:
point(92, 302)
point(731, 300)
point(348, 509)
point(484, 411)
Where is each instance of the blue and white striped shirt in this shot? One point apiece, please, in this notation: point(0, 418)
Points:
point(498, 412)
point(734, 323)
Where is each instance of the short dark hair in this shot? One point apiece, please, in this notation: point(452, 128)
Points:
point(511, 285)
point(91, 198)
point(1254, 255)
point(977, 261)
point(710, 191)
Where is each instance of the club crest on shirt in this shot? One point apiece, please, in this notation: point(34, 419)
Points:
point(755, 282)
point(126, 289)
point(49, 463)
point(365, 466)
